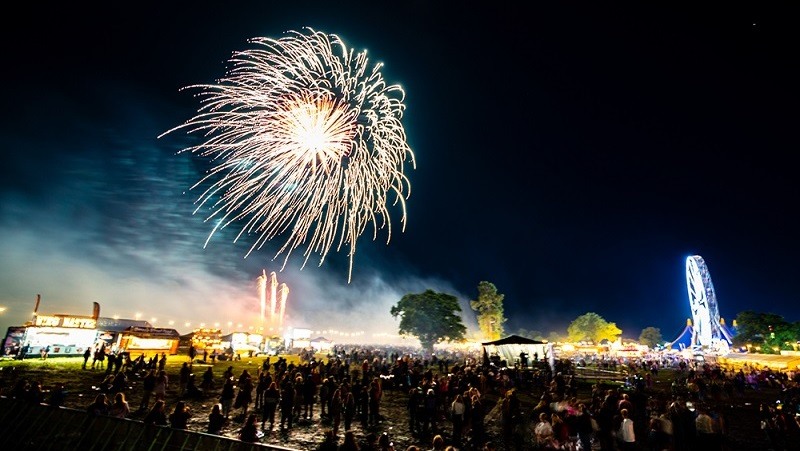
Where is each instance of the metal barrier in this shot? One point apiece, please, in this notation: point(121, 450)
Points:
point(595, 373)
point(26, 426)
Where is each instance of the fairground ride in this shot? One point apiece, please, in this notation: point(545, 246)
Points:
point(708, 333)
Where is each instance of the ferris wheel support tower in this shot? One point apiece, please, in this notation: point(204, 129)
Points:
point(708, 332)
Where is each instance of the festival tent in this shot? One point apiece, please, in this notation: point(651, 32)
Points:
point(684, 340)
point(509, 349)
point(728, 332)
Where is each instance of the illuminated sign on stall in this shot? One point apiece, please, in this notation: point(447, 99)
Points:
point(153, 331)
point(207, 338)
point(75, 322)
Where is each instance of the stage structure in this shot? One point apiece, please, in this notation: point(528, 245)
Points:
point(708, 329)
point(272, 296)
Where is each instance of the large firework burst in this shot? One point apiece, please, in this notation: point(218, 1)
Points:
point(308, 142)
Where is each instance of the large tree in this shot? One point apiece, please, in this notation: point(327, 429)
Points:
point(431, 317)
point(765, 332)
point(591, 326)
point(489, 310)
point(651, 336)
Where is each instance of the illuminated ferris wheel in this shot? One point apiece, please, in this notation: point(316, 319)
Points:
point(707, 332)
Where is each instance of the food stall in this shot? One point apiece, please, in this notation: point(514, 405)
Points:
point(62, 335)
point(143, 340)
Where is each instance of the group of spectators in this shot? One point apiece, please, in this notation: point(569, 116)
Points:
point(451, 400)
point(691, 414)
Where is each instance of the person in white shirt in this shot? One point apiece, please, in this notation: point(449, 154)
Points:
point(627, 438)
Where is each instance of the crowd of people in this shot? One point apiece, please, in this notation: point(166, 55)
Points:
point(450, 400)
point(692, 414)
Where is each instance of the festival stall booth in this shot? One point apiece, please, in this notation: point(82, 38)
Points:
point(297, 338)
point(13, 340)
point(242, 344)
point(209, 340)
point(59, 334)
point(509, 349)
point(321, 345)
point(144, 340)
point(110, 330)
point(273, 345)
point(629, 350)
point(71, 335)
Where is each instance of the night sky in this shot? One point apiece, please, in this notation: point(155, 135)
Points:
point(573, 155)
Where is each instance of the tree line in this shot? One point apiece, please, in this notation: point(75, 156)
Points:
point(434, 317)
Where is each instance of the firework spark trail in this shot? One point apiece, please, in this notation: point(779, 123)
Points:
point(309, 145)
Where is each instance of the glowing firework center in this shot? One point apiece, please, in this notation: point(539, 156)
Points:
point(309, 145)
